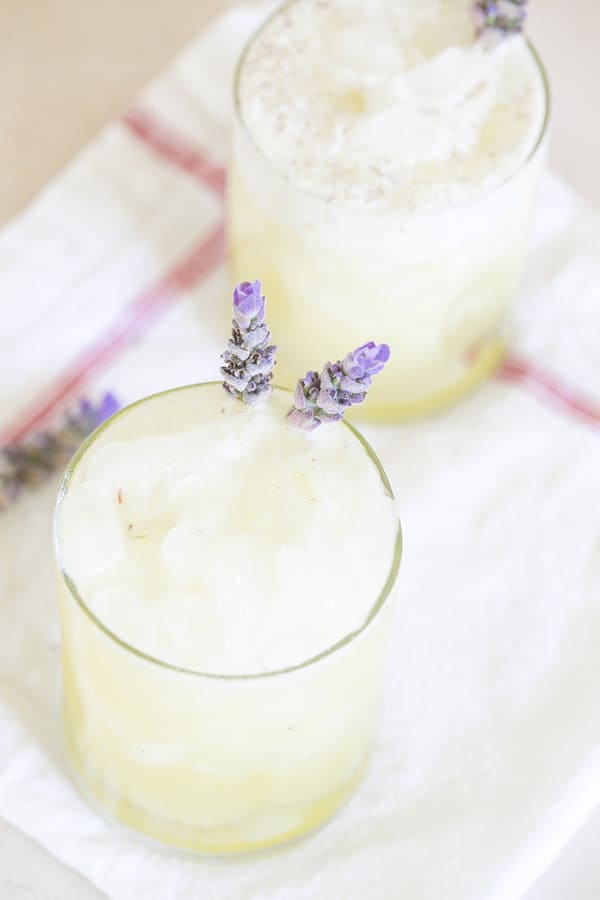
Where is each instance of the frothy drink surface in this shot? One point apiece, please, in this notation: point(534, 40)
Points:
point(216, 537)
point(390, 104)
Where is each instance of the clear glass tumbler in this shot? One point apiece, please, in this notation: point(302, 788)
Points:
point(207, 762)
point(437, 287)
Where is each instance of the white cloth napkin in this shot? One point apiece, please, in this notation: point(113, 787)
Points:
point(488, 759)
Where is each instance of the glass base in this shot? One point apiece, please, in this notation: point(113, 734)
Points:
point(268, 829)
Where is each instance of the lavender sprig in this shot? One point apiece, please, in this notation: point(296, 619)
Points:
point(250, 356)
point(326, 397)
point(30, 462)
point(495, 19)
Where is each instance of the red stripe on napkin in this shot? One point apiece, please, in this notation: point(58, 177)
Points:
point(130, 326)
point(550, 388)
point(175, 149)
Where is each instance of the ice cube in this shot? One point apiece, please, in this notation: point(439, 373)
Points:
point(153, 474)
point(312, 587)
point(447, 78)
point(239, 576)
point(401, 131)
point(367, 48)
point(91, 534)
point(134, 472)
point(278, 498)
point(183, 550)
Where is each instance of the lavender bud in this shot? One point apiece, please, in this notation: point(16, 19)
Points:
point(367, 360)
point(248, 304)
point(249, 358)
point(495, 19)
point(31, 462)
point(304, 420)
point(325, 397)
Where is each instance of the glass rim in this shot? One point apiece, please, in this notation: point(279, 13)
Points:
point(344, 641)
point(369, 214)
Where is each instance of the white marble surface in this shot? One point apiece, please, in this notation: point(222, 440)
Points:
point(566, 33)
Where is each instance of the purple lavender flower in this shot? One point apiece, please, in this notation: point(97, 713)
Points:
point(248, 304)
point(94, 415)
point(30, 463)
point(366, 360)
point(495, 19)
point(326, 397)
point(250, 357)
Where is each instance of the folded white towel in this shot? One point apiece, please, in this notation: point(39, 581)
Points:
point(489, 755)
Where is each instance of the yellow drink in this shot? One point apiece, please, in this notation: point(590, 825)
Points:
point(387, 198)
point(266, 740)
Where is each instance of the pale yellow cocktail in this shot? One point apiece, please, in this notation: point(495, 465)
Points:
point(383, 169)
point(225, 605)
